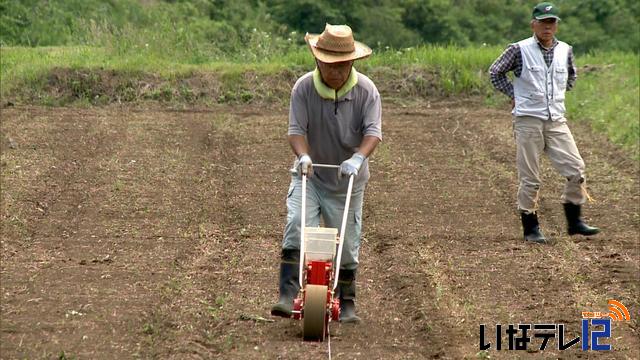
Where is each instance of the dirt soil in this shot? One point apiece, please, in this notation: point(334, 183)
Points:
point(147, 232)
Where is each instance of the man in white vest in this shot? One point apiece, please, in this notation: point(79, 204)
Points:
point(543, 68)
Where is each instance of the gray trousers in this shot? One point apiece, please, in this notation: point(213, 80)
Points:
point(329, 206)
point(533, 137)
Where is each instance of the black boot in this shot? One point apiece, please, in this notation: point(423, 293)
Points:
point(347, 294)
point(289, 283)
point(531, 228)
point(575, 225)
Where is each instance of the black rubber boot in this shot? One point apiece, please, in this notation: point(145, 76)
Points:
point(347, 295)
point(289, 283)
point(575, 225)
point(531, 228)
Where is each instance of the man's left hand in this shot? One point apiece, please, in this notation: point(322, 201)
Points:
point(351, 166)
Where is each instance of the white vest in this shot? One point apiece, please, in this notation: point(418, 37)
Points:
point(539, 91)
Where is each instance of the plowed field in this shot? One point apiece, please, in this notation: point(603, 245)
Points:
point(135, 232)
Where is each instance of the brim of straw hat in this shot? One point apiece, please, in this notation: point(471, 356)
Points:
point(361, 51)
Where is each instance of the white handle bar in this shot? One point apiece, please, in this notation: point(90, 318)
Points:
point(343, 227)
point(328, 166)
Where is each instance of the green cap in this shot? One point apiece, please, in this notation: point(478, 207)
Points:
point(545, 10)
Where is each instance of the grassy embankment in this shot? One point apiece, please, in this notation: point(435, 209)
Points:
point(606, 94)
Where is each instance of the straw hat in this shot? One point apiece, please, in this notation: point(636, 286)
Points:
point(336, 44)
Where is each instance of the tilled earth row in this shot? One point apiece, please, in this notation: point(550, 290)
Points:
point(154, 233)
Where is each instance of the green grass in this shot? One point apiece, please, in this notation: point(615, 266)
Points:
point(451, 70)
point(606, 96)
point(18, 64)
point(458, 69)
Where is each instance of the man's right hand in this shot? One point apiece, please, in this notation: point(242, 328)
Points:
point(305, 164)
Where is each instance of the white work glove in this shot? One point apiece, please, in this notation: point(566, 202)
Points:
point(352, 165)
point(305, 165)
